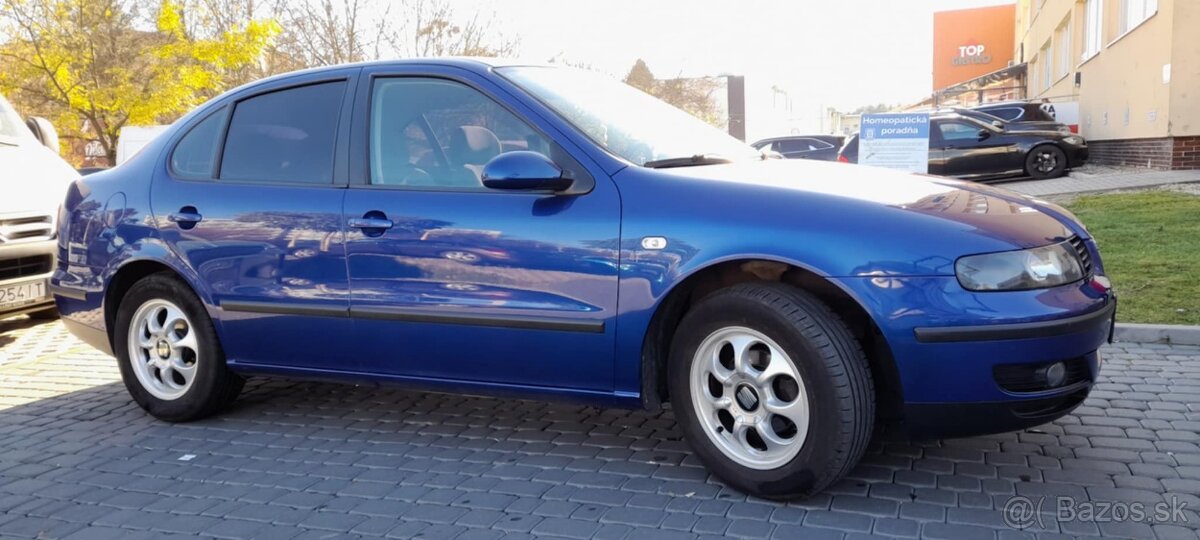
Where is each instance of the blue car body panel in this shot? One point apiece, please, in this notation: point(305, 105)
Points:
point(554, 295)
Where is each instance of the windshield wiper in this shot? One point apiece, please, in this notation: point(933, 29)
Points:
point(691, 161)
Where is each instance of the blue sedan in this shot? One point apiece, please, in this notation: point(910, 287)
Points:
point(537, 231)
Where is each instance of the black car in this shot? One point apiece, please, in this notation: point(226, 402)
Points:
point(964, 147)
point(1022, 115)
point(819, 147)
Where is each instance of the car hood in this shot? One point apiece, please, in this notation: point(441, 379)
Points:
point(922, 216)
point(35, 179)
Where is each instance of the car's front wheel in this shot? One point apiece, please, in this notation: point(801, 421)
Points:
point(1046, 161)
point(771, 390)
point(169, 356)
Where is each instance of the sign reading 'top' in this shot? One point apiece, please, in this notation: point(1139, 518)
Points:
point(895, 141)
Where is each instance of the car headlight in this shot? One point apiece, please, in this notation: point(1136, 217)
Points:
point(1065, 130)
point(1036, 268)
point(1074, 139)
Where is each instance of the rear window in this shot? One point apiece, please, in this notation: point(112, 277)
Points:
point(284, 136)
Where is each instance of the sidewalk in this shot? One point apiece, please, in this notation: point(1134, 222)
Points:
point(1098, 178)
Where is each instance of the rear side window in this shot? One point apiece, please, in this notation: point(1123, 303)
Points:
point(1007, 113)
point(284, 136)
point(196, 152)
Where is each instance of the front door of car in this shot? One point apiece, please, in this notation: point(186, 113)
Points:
point(967, 150)
point(452, 280)
point(250, 203)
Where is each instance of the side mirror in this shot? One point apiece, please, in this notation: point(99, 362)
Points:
point(984, 134)
point(998, 124)
point(522, 170)
point(44, 131)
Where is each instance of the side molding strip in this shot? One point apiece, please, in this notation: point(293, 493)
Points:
point(408, 315)
point(528, 323)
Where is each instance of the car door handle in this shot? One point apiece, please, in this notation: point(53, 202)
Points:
point(186, 217)
point(370, 223)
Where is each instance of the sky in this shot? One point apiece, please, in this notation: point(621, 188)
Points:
point(832, 53)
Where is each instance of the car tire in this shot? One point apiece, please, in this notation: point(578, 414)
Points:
point(47, 314)
point(1045, 162)
point(800, 363)
point(170, 359)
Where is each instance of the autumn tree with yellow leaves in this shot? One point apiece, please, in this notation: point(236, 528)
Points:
point(96, 66)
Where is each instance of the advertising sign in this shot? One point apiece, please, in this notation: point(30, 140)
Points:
point(969, 43)
point(895, 141)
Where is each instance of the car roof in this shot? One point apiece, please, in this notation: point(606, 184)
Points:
point(476, 64)
point(789, 137)
point(1005, 104)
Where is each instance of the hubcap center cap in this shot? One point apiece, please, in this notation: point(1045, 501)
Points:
point(163, 349)
point(747, 398)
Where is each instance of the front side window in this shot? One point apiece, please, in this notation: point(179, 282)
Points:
point(435, 133)
point(285, 136)
point(196, 152)
point(1133, 12)
point(958, 131)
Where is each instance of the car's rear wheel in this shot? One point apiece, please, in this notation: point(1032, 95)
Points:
point(1046, 161)
point(771, 390)
point(169, 356)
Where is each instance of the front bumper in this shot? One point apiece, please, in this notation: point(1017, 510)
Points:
point(960, 356)
point(25, 250)
point(1076, 156)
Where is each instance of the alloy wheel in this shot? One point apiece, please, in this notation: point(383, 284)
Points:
point(163, 349)
point(750, 398)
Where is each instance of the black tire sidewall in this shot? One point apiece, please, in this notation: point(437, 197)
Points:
point(210, 365)
point(820, 453)
point(1031, 162)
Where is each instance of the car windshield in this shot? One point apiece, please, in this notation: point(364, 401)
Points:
point(12, 131)
point(626, 121)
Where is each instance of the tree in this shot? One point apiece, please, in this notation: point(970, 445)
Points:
point(328, 32)
point(97, 66)
point(641, 77)
point(694, 95)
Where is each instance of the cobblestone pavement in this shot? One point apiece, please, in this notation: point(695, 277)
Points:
point(308, 460)
point(1090, 179)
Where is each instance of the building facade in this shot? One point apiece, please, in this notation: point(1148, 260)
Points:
point(1131, 67)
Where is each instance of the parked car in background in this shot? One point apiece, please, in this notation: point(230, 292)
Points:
point(33, 182)
point(965, 147)
point(492, 227)
point(1023, 115)
point(818, 147)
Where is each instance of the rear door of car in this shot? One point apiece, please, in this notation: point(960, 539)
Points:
point(251, 199)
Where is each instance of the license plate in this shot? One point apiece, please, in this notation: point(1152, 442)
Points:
point(19, 294)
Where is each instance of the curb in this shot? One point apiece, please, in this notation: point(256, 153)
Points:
point(1158, 333)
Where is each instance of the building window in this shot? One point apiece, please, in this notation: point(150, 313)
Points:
point(1047, 65)
point(1064, 48)
point(1093, 28)
point(1133, 12)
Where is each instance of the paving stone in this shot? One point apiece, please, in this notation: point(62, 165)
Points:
point(312, 460)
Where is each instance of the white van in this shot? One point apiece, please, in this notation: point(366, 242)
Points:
point(33, 183)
